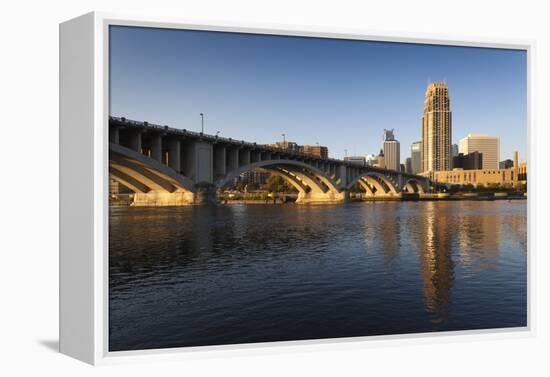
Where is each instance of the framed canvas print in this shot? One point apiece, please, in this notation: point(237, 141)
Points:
point(225, 186)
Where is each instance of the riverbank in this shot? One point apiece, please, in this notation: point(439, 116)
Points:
point(405, 197)
point(445, 196)
point(127, 202)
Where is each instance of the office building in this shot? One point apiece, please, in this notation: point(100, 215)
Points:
point(510, 176)
point(391, 150)
point(487, 145)
point(470, 161)
point(416, 157)
point(436, 128)
point(454, 153)
point(288, 146)
point(380, 160)
point(506, 164)
point(316, 150)
point(408, 165)
point(454, 150)
point(482, 176)
point(257, 177)
point(371, 159)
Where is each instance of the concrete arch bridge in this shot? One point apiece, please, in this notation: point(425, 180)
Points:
point(168, 166)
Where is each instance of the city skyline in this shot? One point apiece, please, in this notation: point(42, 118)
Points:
point(346, 91)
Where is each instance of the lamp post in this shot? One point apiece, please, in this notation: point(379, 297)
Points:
point(202, 123)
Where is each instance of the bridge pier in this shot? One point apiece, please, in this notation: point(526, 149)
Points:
point(135, 141)
point(174, 154)
point(162, 199)
point(156, 147)
point(205, 195)
point(322, 198)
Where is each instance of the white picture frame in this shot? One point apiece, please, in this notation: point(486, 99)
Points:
point(84, 194)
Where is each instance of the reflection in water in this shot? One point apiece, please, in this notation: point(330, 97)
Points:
point(479, 229)
point(232, 274)
point(436, 263)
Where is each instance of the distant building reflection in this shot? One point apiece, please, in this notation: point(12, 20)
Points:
point(389, 235)
point(479, 240)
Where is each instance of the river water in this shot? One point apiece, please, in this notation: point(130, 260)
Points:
point(188, 276)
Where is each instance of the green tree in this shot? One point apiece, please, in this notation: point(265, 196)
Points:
point(276, 183)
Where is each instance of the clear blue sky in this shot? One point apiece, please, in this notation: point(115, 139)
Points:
point(340, 93)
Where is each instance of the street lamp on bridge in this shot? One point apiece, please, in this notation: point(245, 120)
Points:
point(202, 123)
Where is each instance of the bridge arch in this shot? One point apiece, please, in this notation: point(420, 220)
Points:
point(413, 185)
point(313, 184)
point(375, 183)
point(152, 182)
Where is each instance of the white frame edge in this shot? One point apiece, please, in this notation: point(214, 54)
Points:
point(84, 229)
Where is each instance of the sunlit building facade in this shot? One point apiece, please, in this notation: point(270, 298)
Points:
point(316, 150)
point(391, 150)
point(488, 146)
point(436, 128)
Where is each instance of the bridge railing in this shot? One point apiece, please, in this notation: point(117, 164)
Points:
point(214, 138)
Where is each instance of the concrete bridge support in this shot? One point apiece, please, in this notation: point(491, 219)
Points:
point(156, 147)
point(135, 141)
point(174, 154)
point(163, 198)
point(322, 198)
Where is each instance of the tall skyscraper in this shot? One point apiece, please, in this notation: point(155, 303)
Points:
point(391, 151)
point(488, 146)
point(436, 128)
point(416, 157)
